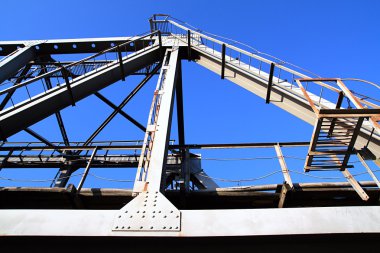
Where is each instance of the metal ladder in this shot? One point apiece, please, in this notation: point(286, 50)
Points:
point(143, 166)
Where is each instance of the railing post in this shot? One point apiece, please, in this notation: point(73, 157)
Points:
point(160, 43)
point(188, 45)
point(64, 72)
point(87, 169)
point(121, 63)
point(151, 25)
point(223, 60)
point(270, 81)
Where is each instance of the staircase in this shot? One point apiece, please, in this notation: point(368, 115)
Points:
point(332, 143)
point(70, 83)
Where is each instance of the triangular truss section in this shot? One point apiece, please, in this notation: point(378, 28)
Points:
point(50, 85)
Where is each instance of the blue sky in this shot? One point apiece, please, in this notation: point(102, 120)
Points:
point(331, 38)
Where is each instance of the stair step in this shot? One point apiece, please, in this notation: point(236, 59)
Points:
point(329, 167)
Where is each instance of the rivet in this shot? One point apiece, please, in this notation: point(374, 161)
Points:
point(122, 227)
point(164, 227)
point(145, 200)
point(156, 192)
point(143, 211)
point(164, 216)
point(155, 200)
point(141, 227)
point(170, 228)
point(126, 211)
point(137, 211)
point(154, 205)
point(119, 216)
point(159, 211)
point(154, 211)
point(171, 211)
point(151, 227)
point(144, 204)
point(131, 216)
point(143, 216)
point(156, 196)
point(153, 216)
point(176, 227)
point(116, 227)
point(129, 227)
point(177, 216)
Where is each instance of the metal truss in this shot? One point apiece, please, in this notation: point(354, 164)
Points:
point(170, 180)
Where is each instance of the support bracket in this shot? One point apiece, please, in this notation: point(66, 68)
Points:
point(121, 63)
point(149, 211)
point(67, 81)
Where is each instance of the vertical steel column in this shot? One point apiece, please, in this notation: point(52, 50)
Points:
point(58, 113)
point(188, 45)
point(150, 179)
point(121, 63)
point(185, 170)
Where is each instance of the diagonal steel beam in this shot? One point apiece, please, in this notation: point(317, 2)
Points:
point(15, 61)
point(122, 104)
point(43, 105)
point(87, 169)
point(58, 113)
point(42, 139)
point(18, 80)
point(127, 116)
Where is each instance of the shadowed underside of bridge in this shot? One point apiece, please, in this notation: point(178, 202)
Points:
point(172, 196)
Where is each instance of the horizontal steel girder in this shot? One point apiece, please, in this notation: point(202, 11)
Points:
point(99, 161)
point(289, 100)
point(238, 222)
point(72, 46)
point(39, 107)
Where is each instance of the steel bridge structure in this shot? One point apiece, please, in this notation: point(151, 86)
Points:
point(173, 201)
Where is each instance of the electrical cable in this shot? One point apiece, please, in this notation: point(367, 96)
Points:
point(240, 180)
point(111, 179)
